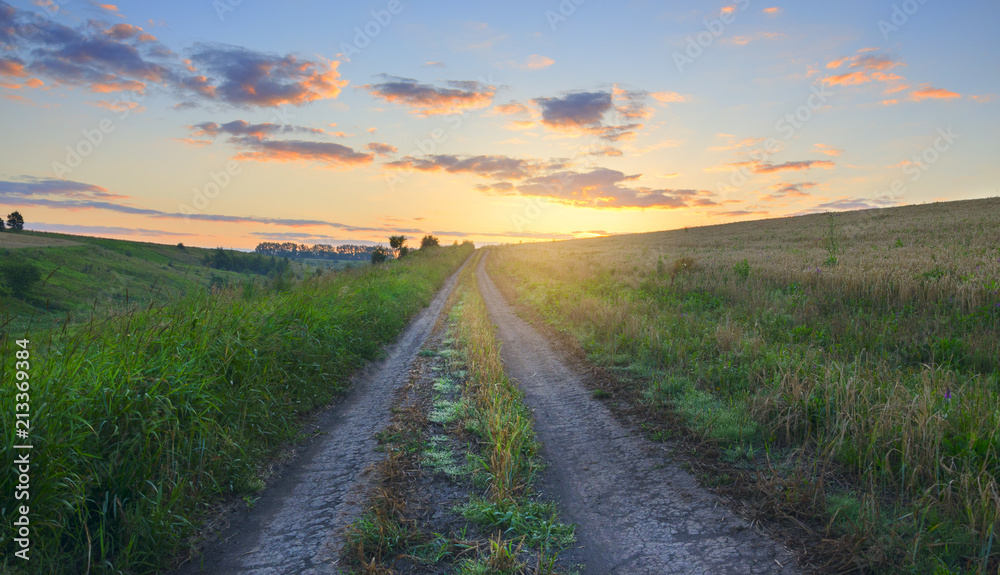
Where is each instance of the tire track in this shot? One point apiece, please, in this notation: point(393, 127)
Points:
point(637, 512)
point(296, 526)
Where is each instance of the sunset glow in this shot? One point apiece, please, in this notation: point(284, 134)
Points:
point(231, 123)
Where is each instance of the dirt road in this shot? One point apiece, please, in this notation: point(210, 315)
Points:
point(637, 511)
point(296, 525)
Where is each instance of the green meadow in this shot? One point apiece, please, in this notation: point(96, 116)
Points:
point(148, 412)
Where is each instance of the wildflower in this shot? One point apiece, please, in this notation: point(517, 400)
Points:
point(947, 393)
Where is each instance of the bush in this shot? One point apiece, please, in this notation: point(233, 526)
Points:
point(19, 276)
point(379, 255)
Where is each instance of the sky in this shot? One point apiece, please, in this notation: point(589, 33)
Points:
point(234, 122)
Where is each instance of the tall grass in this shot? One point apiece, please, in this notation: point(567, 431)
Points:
point(501, 417)
point(141, 422)
point(881, 361)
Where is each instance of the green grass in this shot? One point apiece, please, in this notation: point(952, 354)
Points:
point(536, 523)
point(142, 421)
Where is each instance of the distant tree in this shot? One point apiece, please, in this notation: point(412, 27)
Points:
point(19, 276)
point(180, 246)
point(2, 225)
point(398, 244)
point(15, 221)
point(429, 241)
point(380, 254)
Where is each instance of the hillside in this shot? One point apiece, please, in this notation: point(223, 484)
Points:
point(839, 370)
point(80, 274)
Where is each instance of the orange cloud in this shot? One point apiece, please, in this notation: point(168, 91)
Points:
point(744, 40)
point(828, 150)
point(118, 86)
point(774, 11)
point(768, 168)
point(864, 68)
point(928, 92)
point(536, 62)
point(334, 155)
point(511, 108)
point(759, 167)
point(118, 106)
point(668, 97)
point(12, 68)
point(193, 142)
point(127, 32)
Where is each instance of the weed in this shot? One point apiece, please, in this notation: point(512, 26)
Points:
point(536, 522)
point(742, 269)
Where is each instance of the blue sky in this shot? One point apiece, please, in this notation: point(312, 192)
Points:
point(491, 122)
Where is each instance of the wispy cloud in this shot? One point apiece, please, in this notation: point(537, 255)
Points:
point(244, 128)
point(255, 142)
point(929, 92)
point(863, 68)
point(760, 167)
point(427, 99)
point(502, 167)
point(533, 62)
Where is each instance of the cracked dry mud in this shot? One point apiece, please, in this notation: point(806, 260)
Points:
point(636, 511)
point(297, 524)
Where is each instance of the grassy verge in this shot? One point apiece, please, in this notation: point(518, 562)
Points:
point(142, 421)
point(843, 369)
point(474, 437)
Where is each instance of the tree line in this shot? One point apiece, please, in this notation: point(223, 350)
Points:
point(255, 263)
point(318, 251)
